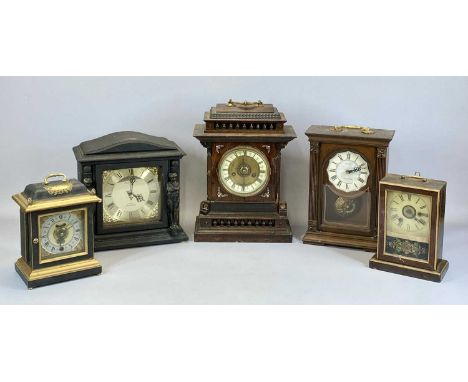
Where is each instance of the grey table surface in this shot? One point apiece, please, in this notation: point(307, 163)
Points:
point(239, 273)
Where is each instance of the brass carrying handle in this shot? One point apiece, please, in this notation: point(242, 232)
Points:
point(232, 103)
point(364, 130)
point(53, 175)
point(416, 176)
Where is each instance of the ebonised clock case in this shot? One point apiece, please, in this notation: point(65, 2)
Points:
point(130, 149)
point(52, 199)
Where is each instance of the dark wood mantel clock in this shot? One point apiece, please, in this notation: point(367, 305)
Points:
point(411, 227)
point(137, 177)
point(346, 165)
point(244, 142)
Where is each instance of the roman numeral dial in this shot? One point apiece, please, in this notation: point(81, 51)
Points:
point(408, 215)
point(244, 171)
point(61, 234)
point(131, 195)
point(348, 171)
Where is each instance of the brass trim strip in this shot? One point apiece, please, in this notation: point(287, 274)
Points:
point(53, 203)
point(57, 270)
point(420, 187)
point(374, 260)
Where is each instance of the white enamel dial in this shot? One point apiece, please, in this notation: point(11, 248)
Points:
point(408, 215)
point(131, 195)
point(348, 171)
point(62, 233)
point(244, 171)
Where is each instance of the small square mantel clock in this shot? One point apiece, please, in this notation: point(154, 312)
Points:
point(137, 176)
point(244, 142)
point(56, 219)
point(346, 164)
point(411, 227)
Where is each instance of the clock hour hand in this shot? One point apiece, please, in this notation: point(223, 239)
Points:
point(139, 197)
point(130, 192)
point(420, 221)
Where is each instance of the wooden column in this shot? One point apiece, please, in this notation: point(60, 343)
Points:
point(381, 170)
point(381, 164)
point(313, 185)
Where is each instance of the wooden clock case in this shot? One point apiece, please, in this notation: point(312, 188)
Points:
point(325, 141)
point(436, 267)
point(133, 149)
point(227, 217)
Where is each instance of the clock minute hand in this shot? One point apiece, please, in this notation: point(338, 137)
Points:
point(355, 169)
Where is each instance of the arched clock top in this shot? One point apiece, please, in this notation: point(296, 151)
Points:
point(126, 143)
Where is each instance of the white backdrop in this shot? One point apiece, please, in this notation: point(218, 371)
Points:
point(42, 118)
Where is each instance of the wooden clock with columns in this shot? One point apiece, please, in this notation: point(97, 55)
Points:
point(244, 142)
point(346, 165)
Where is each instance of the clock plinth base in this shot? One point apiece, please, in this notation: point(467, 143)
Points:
point(231, 230)
point(340, 240)
point(138, 239)
point(34, 278)
point(406, 270)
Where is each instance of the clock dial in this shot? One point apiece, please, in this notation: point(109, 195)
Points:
point(408, 221)
point(61, 234)
point(131, 195)
point(244, 171)
point(408, 214)
point(348, 171)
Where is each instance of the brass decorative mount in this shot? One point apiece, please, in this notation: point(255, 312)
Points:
point(416, 176)
point(244, 104)
point(364, 130)
point(59, 188)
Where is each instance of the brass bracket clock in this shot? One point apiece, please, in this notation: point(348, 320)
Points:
point(411, 227)
point(346, 164)
point(138, 178)
point(244, 142)
point(56, 219)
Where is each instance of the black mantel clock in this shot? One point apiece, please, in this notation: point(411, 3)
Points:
point(137, 176)
point(244, 142)
point(56, 219)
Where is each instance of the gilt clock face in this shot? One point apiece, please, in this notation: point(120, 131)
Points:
point(131, 195)
point(408, 220)
point(348, 171)
point(244, 171)
point(62, 234)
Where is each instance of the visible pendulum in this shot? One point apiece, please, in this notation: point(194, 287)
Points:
point(346, 207)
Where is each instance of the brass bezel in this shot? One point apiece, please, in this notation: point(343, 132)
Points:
point(69, 256)
point(111, 222)
point(257, 151)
